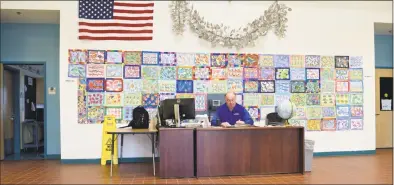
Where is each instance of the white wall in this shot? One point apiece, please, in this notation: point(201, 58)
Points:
point(322, 28)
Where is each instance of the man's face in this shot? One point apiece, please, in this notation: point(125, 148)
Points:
point(230, 101)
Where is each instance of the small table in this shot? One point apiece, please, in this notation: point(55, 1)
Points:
point(122, 131)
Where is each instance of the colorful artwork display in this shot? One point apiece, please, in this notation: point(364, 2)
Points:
point(327, 91)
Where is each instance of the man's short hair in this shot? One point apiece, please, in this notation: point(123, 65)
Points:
point(229, 93)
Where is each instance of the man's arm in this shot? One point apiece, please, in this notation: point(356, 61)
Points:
point(247, 119)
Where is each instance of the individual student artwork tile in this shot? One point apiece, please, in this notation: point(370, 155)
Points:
point(342, 99)
point(356, 62)
point(76, 70)
point(251, 86)
point(328, 112)
point(203, 60)
point(313, 112)
point(95, 99)
point(76, 56)
point(343, 124)
point(297, 86)
point(235, 72)
point(267, 86)
point(150, 100)
point(114, 111)
point(356, 124)
point(81, 107)
point(239, 98)
point(313, 125)
point(218, 60)
point(298, 122)
point(96, 56)
point(355, 74)
point(218, 73)
point(312, 86)
point(328, 86)
point(251, 99)
point(167, 86)
point(342, 74)
point(235, 85)
point(342, 86)
point(150, 86)
point(114, 85)
point(95, 84)
point(312, 99)
point(185, 59)
point(185, 95)
point(168, 73)
point(201, 86)
point(312, 73)
point(132, 99)
point(356, 98)
point(282, 73)
point(356, 86)
point(95, 71)
point(282, 86)
point(132, 85)
point(150, 72)
point(327, 74)
point(128, 113)
point(251, 73)
point(327, 99)
point(150, 58)
point(281, 97)
point(201, 102)
point(114, 57)
point(217, 87)
point(267, 73)
point(95, 114)
point(266, 61)
point(113, 99)
point(357, 111)
point(167, 59)
point(327, 62)
point(251, 60)
point(132, 72)
point(341, 61)
point(152, 112)
point(297, 61)
point(164, 96)
point(297, 74)
point(312, 61)
point(184, 86)
point(300, 113)
point(267, 99)
point(254, 112)
point(281, 61)
point(235, 60)
point(114, 71)
point(184, 73)
point(132, 57)
point(343, 111)
point(299, 99)
point(202, 73)
point(329, 125)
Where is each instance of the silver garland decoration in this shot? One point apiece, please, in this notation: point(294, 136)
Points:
point(219, 34)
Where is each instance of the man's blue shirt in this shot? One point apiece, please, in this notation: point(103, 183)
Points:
point(223, 114)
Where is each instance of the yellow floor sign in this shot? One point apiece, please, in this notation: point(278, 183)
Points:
point(108, 125)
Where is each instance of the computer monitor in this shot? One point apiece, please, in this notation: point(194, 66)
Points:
point(177, 109)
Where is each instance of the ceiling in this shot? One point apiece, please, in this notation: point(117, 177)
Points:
point(383, 28)
point(30, 16)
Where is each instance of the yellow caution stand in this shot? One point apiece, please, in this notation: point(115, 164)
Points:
point(109, 125)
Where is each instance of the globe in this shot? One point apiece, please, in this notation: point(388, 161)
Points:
point(285, 110)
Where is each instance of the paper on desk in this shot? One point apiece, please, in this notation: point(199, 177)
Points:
point(386, 104)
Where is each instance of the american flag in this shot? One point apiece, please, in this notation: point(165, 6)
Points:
point(115, 20)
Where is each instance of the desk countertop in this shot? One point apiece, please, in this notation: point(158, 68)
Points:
point(129, 130)
point(250, 128)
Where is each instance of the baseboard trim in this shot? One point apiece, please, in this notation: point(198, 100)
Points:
point(52, 157)
point(344, 153)
point(98, 161)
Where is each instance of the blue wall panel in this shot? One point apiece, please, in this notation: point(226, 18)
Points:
point(32, 44)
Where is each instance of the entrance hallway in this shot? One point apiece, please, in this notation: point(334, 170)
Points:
point(366, 169)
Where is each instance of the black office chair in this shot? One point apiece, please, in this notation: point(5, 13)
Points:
point(274, 119)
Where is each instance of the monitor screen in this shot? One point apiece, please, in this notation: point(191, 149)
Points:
point(186, 108)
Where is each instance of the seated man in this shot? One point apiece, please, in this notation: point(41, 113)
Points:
point(231, 113)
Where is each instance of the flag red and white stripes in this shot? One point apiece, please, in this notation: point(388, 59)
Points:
point(115, 20)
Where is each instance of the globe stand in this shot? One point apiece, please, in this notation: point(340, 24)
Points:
point(287, 123)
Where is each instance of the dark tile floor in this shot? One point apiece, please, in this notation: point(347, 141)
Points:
point(367, 169)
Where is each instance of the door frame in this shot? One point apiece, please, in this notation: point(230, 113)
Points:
point(1, 114)
point(17, 134)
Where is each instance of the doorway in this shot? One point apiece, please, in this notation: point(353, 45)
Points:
point(384, 114)
point(23, 116)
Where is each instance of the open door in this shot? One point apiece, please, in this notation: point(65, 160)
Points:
point(384, 115)
point(1, 114)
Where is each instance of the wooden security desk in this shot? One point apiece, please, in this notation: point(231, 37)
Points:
point(176, 152)
point(151, 132)
point(249, 151)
